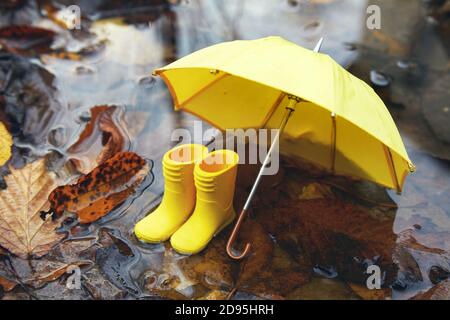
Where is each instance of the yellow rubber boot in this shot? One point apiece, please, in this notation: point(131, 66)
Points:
point(215, 183)
point(179, 194)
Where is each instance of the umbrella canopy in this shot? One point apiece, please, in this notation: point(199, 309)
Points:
point(340, 123)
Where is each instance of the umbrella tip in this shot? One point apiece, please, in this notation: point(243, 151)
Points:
point(318, 45)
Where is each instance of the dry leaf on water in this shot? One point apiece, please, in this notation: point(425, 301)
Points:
point(7, 284)
point(212, 267)
point(103, 130)
point(371, 294)
point(333, 232)
point(22, 231)
point(5, 144)
point(22, 39)
point(55, 274)
point(100, 191)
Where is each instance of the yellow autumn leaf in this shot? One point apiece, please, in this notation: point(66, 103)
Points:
point(22, 231)
point(5, 144)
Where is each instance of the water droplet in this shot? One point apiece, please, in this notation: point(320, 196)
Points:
point(380, 79)
point(438, 274)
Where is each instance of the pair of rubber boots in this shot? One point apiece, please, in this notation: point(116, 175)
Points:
point(198, 198)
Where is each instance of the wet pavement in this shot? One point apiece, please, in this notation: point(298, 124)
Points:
point(314, 235)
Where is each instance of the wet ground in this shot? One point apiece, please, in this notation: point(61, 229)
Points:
point(314, 235)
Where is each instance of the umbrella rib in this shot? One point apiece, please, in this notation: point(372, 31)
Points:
point(199, 92)
point(333, 141)
point(273, 108)
point(171, 89)
point(391, 166)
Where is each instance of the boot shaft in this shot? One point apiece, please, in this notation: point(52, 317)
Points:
point(215, 178)
point(178, 167)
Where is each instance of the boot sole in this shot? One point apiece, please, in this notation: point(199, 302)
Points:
point(145, 239)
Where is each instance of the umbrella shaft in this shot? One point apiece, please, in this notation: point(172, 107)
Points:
point(289, 110)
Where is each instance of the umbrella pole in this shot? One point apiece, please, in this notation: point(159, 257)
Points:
point(289, 110)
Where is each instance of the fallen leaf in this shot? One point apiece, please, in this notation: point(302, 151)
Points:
point(212, 268)
point(30, 101)
point(440, 291)
point(333, 232)
point(57, 264)
point(214, 295)
point(260, 255)
point(8, 278)
point(99, 287)
point(394, 46)
point(7, 284)
point(163, 284)
point(316, 191)
point(100, 191)
point(407, 238)
point(22, 231)
point(114, 259)
point(62, 55)
point(323, 289)
point(5, 144)
point(11, 4)
point(104, 132)
point(279, 275)
point(58, 272)
point(21, 39)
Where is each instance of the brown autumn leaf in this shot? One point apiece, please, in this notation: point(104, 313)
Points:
point(22, 231)
point(104, 132)
point(440, 291)
point(371, 294)
point(95, 194)
point(212, 267)
point(23, 39)
point(56, 273)
point(7, 284)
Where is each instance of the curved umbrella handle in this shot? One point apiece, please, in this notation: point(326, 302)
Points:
point(233, 238)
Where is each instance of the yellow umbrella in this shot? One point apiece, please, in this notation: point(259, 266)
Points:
point(335, 119)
